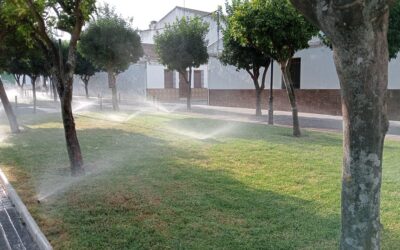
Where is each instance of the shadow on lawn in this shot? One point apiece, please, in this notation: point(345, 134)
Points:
point(248, 131)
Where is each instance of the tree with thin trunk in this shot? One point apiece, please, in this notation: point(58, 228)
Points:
point(279, 31)
point(85, 70)
point(38, 20)
point(358, 33)
point(112, 45)
point(182, 46)
point(34, 64)
point(244, 56)
point(12, 119)
point(6, 35)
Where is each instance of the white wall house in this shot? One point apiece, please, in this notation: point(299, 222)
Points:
point(158, 77)
point(313, 72)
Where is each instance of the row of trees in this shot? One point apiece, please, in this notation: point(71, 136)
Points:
point(259, 31)
point(362, 37)
point(357, 31)
point(28, 47)
point(255, 33)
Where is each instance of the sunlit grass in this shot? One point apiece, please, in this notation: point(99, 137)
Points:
point(149, 186)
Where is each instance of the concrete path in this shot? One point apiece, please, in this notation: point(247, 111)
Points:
point(281, 118)
point(13, 234)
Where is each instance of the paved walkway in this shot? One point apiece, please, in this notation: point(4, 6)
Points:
point(282, 118)
point(13, 234)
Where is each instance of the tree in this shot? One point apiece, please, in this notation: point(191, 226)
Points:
point(85, 69)
point(37, 20)
point(182, 46)
point(32, 62)
point(279, 30)
point(6, 32)
point(244, 56)
point(393, 32)
point(358, 32)
point(112, 45)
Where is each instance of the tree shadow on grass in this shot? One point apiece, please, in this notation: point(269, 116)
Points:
point(248, 131)
point(157, 194)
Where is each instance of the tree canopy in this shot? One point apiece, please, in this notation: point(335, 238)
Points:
point(111, 43)
point(393, 32)
point(242, 55)
point(278, 30)
point(84, 67)
point(37, 21)
point(183, 44)
point(276, 27)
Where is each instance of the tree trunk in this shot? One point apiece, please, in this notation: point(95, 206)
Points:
point(285, 67)
point(73, 147)
point(33, 79)
point(363, 74)
point(112, 84)
point(12, 120)
point(189, 95)
point(271, 97)
point(86, 82)
point(53, 86)
point(358, 32)
point(45, 83)
point(20, 86)
point(258, 102)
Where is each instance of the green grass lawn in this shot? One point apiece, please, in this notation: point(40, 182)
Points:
point(160, 182)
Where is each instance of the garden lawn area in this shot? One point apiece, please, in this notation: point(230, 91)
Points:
point(161, 181)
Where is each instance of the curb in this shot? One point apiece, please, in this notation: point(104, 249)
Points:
point(30, 223)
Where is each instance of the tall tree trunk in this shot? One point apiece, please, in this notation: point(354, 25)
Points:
point(86, 82)
point(258, 101)
point(271, 97)
point(12, 119)
point(73, 147)
point(18, 81)
point(45, 83)
point(33, 79)
point(285, 67)
point(112, 84)
point(189, 95)
point(358, 32)
point(54, 87)
point(363, 74)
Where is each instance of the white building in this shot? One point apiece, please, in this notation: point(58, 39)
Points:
point(313, 73)
point(162, 83)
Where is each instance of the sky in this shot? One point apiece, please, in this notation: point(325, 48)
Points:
point(145, 11)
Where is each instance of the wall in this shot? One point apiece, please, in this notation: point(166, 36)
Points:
point(227, 77)
point(308, 101)
point(317, 72)
point(172, 95)
point(130, 83)
point(147, 36)
point(155, 76)
point(317, 69)
point(394, 73)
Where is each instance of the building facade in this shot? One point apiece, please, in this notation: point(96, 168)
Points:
point(313, 73)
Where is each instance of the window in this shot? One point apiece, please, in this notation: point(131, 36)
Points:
point(295, 73)
point(169, 82)
point(198, 77)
